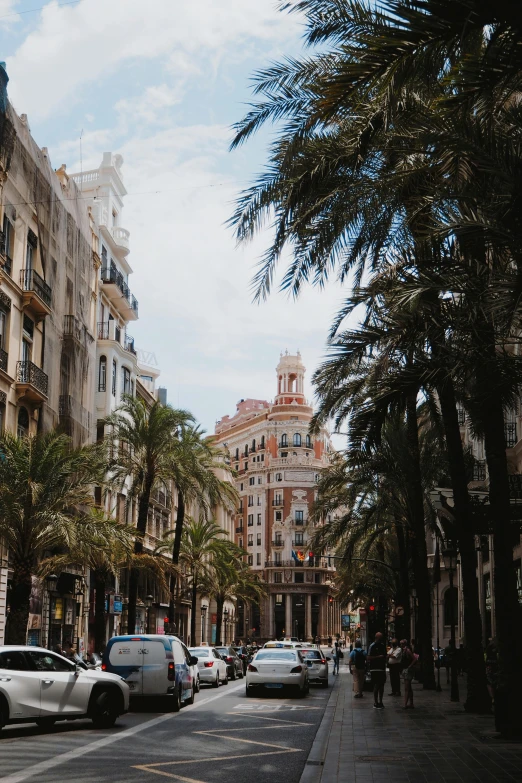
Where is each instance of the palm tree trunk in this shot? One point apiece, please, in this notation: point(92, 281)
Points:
point(420, 555)
point(219, 619)
point(134, 576)
point(176, 548)
point(403, 624)
point(100, 632)
point(193, 609)
point(478, 699)
point(19, 597)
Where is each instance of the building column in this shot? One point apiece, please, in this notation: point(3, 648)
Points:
point(308, 616)
point(321, 619)
point(288, 614)
point(271, 616)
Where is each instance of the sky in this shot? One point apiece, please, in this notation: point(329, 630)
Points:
point(162, 82)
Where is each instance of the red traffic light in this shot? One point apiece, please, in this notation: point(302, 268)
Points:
point(165, 619)
point(372, 607)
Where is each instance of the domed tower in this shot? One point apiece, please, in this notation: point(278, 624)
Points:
point(290, 380)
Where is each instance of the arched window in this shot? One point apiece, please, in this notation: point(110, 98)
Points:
point(246, 450)
point(284, 440)
point(114, 373)
point(297, 439)
point(308, 442)
point(253, 444)
point(22, 429)
point(451, 606)
point(262, 444)
point(237, 454)
point(102, 374)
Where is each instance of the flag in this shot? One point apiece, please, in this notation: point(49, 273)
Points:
point(298, 556)
point(436, 565)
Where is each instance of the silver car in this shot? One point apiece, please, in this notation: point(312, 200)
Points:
point(276, 668)
point(317, 665)
point(211, 666)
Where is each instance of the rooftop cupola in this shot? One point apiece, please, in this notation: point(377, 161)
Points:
point(290, 380)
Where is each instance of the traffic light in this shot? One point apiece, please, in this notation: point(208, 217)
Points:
point(310, 558)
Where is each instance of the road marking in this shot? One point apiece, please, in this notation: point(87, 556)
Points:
point(154, 767)
point(55, 761)
point(272, 707)
point(212, 733)
point(264, 717)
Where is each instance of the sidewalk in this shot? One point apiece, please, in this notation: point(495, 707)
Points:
point(437, 741)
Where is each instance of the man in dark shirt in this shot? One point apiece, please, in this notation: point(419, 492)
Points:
point(377, 657)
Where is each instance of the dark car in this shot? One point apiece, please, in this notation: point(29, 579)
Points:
point(233, 661)
point(243, 653)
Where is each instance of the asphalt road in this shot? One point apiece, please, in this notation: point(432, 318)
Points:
point(223, 737)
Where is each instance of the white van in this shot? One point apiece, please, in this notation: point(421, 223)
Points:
point(153, 665)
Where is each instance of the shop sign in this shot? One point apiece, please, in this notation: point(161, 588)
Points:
point(56, 608)
point(345, 622)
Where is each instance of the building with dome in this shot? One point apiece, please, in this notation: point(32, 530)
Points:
point(277, 463)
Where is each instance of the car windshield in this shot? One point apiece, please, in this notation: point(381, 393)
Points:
point(199, 652)
point(276, 655)
point(312, 654)
point(222, 650)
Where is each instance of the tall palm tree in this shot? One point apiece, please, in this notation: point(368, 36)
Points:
point(144, 438)
point(46, 504)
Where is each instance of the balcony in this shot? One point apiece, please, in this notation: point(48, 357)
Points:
point(121, 238)
point(239, 529)
point(37, 295)
point(299, 543)
point(277, 502)
point(479, 470)
point(31, 382)
point(278, 543)
point(118, 292)
point(75, 331)
point(129, 344)
point(162, 497)
point(318, 562)
point(510, 431)
point(70, 410)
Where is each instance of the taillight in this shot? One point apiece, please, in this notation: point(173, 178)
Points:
point(229, 658)
point(104, 667)
point(296, 670)
point(251, 668)
point(323, 660)
point(172, 671)
point(208, 664)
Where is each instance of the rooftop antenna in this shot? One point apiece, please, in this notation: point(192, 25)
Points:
point(81, 162)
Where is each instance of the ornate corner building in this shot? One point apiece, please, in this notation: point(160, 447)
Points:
point(277, 463)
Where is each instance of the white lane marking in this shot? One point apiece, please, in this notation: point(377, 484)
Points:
point(272, 707)
point(43, 766)
point(154, 767)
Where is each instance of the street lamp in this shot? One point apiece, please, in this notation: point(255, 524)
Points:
point(148, 603)
point(51, 583)
point(204, 608)
point(450, 561)
point(225, 619)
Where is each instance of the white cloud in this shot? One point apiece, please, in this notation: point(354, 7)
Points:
point(86, 43)
point(8, 13)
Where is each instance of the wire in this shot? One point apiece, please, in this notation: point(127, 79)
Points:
point(40, 8)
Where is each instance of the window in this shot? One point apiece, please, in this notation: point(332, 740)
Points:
point(278, 476)
point(29, 257)
point(246, 450)
point(114, 370)
point(100, 432)
point(250, 541)
point(2, 417)
point(250, 500)
point(240, 522)
point(252, 481)
point(278, 539)
point(259, 501)
point(297, 439)
point(102, 374)
point(3, 331)
point(299, 538)
point(126, 377)
point(278, 499)
point(241, 486)
point(258, 558)
point(308, 442)
point(262, 444)
point(250, 520)
point(9, 242)
point(22, 429)
point(262, 457)
point(237, 455)
point(299, 576)
point(450, 606)
point(278, 516)
point(26, 350)
point(260, 479)
point(278, 578)
point(317, 579)
point(241, 543)
point(259, 519)
point(46, 662)
point(299, 517)
point(251, 560)
point(254, 444)
point(245, 465)
point(284, 440)
point(14, 661)
point(258, 541)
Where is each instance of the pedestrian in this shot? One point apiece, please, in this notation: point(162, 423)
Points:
point(377, 656)
point(337, 654)
point(329, 641)
point(491, 658)
point(357, 663)
point(59, 650)
point(394, 667)
point(409, 660)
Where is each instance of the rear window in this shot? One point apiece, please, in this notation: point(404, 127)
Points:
point(277, 655)
point(13, 660)
point(199, 652)
point(312, 654)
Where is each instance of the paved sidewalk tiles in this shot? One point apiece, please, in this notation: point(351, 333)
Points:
point(437, 742)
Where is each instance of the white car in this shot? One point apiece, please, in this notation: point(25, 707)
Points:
point(212, 668)
point(38, 686)
point(194, 669)
point(275, 668)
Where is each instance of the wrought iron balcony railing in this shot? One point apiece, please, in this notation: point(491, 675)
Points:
point(111, 274)
point(27, 372)
point(32, 281)
point(3, 360)
point(129, 344)
point(510, 431)
point(73, 327)
point(479, 470)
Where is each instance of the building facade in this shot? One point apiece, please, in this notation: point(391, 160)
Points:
point(277, 463)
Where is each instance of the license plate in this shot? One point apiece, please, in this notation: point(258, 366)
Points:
point(273, 685)
point(131, 685)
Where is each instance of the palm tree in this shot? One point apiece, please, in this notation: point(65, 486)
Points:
point(46, 504)
point(144, 438)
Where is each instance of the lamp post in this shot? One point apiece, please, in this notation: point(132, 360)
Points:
point(148, 603)
point(204, 608)
point(225, 619)
point(51, 584)
point(450, 561)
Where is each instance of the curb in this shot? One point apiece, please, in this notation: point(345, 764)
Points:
point(314, 765)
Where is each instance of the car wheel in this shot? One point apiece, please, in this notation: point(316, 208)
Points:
point(190, 700)
point(241, 675)
point(104, 710)
point(215, 684)
point(234, 675)
point(197, 686)
point(248, 692)
point(176, 700)
point(4, 714)
point(45, 723)
point(225, 681)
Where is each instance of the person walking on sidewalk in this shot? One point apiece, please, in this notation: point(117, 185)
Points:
point(377, 656)
point(337, 654)
point(394, 666)
point(357, 663)
point(409, 659)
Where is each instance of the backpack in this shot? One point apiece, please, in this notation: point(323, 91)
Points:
point(359, 659)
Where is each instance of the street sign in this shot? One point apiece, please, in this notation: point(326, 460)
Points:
point(345, 622)
point(399, 611)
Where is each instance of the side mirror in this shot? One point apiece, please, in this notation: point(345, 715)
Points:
point(193, 660)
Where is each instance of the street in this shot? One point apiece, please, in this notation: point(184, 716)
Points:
point(221, 736)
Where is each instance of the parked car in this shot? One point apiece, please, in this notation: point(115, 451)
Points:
point(153, 665)
point(275, 668)
point(212, 667)
point(193, 668)
point(244, 655)
point(43, 687)
point(233, 662)
point(317, 666)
